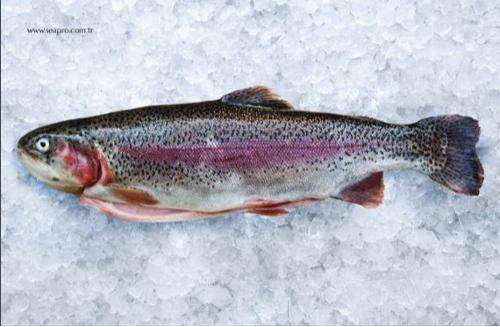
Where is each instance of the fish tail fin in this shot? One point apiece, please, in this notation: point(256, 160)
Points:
point(449, 144)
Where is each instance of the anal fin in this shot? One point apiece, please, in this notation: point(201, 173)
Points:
point(368, 192)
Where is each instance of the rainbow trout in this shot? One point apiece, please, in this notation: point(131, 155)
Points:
point(249, 151)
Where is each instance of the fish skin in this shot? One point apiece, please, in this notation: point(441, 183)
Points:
point(218, 156)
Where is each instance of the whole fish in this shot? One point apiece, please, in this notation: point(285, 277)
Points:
point(249, 151)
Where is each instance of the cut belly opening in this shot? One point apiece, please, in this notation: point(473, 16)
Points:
point(143, 214)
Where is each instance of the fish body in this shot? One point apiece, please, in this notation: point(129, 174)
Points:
point(249, 151)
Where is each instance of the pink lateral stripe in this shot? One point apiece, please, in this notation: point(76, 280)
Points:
point(254, 154)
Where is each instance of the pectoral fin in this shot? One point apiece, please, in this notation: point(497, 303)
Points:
point(114, 192)
point(257, 96)
point(368, 192)
point(132, 195)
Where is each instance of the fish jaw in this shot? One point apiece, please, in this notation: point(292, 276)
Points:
point(51, 174)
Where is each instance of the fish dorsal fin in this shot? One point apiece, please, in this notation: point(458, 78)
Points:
point(368, 192)
point(257, 96)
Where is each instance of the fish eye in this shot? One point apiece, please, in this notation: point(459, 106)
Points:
point(42, 144)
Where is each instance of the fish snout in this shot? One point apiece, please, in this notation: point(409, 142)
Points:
point(22, 145)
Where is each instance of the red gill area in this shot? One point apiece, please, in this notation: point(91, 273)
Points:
point(86, 164)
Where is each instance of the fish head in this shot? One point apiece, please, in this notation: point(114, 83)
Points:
point(64, 161)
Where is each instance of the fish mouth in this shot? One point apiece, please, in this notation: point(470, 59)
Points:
point(29, 161)
point(47, 174)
